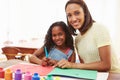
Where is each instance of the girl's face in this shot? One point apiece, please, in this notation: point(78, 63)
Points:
point(75, 15)
point(58, 36)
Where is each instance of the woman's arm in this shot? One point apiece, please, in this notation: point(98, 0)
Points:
point(103, 65)
point(81, 61)
point(72, 58)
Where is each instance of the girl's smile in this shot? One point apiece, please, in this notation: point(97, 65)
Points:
point(58, 36)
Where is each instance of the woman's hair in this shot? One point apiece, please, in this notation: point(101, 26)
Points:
point(68, 37)
point(88, 18)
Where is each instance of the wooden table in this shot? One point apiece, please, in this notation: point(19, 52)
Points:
point(11, 62)
point(12, 51)
point(23, 49)
point(100, 75)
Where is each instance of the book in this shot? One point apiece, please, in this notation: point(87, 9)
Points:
point(75, 73)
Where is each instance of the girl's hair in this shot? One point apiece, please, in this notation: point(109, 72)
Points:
point(48, 42)
point(88, 18)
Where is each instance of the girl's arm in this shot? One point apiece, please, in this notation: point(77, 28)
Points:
point(37, 56)
point(103, 65)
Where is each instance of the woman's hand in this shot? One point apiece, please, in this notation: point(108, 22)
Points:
point(64, 64)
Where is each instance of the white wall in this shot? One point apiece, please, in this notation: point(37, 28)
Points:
point(26, 19)
point(117, 27)
point(23, 19)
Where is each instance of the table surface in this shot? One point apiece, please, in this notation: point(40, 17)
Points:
point(100, 75)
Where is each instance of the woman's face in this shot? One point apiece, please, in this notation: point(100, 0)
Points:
point(75, 15)
point(58, 36)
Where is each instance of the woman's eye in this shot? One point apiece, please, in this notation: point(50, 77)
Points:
point(77, 13)
point(68, 15)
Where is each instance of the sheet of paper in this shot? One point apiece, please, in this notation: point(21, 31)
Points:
point(42, 71)
point(77, 73)
point(102, 75)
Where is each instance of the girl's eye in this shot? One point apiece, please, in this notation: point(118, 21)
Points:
point(53, 35)
point(60, 34)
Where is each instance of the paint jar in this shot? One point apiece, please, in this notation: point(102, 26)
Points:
point(35, 76)
point(8, 74)
point(28, 76)
point(1, 73)
point(49, 77)
point(18, 75)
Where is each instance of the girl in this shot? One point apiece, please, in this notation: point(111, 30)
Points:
point(59, 44)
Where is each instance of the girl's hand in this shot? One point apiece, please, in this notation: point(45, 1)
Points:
point(48, 62)
point(52, 62)
point(45, 61)
point(64, 64)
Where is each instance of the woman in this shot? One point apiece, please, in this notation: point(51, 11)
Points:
point(92, 43)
